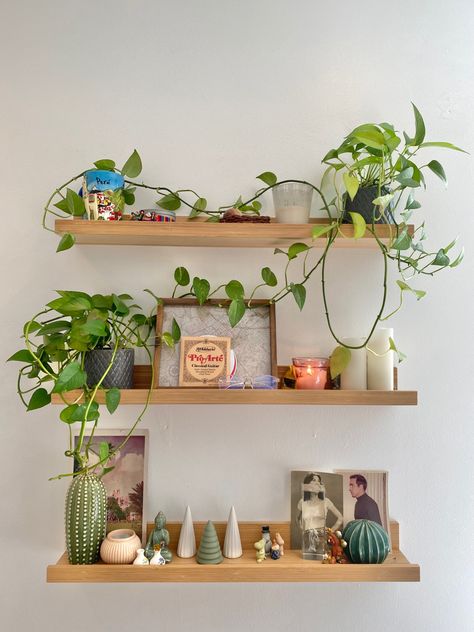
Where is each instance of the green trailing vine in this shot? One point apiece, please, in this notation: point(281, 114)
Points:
point(371, 155)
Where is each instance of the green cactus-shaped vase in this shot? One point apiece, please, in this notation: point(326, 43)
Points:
point(86, 518)
point(367, 542)
point(209, 548)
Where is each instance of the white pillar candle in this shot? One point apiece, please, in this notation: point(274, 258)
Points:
point(292, 214)
point(380, 361)
point(354, 376)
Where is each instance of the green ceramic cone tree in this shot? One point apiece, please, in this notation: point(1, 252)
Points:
point(209, 548)
point(86, 518)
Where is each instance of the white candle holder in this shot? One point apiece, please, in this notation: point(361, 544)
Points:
point(292, 201)
point(380, 361)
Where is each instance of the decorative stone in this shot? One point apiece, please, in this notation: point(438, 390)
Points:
point(120, 547)
point(232, 543)
point(187, 538)
point(367, 542)
point(209, 548)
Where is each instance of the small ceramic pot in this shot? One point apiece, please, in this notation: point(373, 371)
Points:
point(120, 374)
point(120, 547)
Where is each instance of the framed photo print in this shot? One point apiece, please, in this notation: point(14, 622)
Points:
point(125, 483)
point(252, 340)
point(316, 503)
point(366, 496)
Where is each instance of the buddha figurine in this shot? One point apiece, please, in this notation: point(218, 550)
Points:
point(159, 537)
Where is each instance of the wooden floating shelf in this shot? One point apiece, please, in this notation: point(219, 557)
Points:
point(185, 232)
point(290, 568)
point(278, 397)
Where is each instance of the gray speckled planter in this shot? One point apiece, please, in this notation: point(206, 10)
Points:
point(121, 372)
point(362, 203)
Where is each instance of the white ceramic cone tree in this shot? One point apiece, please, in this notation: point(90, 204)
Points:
point(187, 539)
point(232, 543)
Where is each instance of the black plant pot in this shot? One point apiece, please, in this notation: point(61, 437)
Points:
point(121, 371)
point(362, 204)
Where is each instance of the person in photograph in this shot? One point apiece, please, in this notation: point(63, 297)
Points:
point(365, 506)
point(313, 509)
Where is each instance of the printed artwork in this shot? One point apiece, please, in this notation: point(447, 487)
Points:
point(250, 339)
point(125, 483)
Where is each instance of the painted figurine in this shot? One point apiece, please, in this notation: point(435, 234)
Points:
point(275, 554)
point(268, 540)
point(159, 537)
point(281, 542)
point(141, 560)
point(260, 548)
point(157, 559)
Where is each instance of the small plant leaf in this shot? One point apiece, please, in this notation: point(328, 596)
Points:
point(200, 204)
point(71, 377)
point(441, 259)
point(104, 449)
point(321, 229)
point(419, 127)
point(299, 294)
point(393, 347)
point(105, 164)
point(438, 170)
point(167, 338)
point(405, 287)
point(79, 413)
point(235, 290)
point(236, 311)
point(75, 203)
point(66, 413)
point(295, 249)
point(445, 145)
point(170, 202)
point(175, 331)
point(112, 399)
point(133, 166)
point(67, 241)
point(95, 327)
point(268, 177)
point(40, 398)
point(62, 206)
point(181, 276)
point(269, 277)
point(201, 288)
point(403, 241)
point(359, 225)
point(458, 259)
point(128, 197)
point(351, 183)
point(22, 356)
point(340, 358)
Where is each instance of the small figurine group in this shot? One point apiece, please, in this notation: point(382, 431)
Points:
point(336, 545)
point(156, 552)
point(266, 547)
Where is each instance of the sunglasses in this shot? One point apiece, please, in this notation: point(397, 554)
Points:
point(267, 382)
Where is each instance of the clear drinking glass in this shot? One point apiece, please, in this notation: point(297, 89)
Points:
point(292, 201)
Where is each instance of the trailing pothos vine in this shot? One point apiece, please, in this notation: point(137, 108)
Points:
point(371, 155)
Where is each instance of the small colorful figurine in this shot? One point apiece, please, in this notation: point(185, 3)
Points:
point(260, 548)
point(268, 540)
point(281, 542)
point(141, 560)
point(159, 536)
point(275, 554)
point(336, 544)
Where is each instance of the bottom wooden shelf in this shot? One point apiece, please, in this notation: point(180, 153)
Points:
point(290, 568)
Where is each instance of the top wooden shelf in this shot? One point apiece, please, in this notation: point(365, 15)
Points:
point(199, 233)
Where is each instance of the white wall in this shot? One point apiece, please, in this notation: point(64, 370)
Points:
point(213, 93)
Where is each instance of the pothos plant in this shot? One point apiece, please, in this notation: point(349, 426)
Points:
point(371, 155)
point(56, 342)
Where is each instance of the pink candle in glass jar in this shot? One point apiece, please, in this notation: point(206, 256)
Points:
point(311, 373)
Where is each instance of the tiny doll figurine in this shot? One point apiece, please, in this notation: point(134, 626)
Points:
point(281, 542)
point(268, 540)
point(159, 536)
point(275, 554)
point(260, 547)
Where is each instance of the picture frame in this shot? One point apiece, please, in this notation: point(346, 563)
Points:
point(373, 499)
point(253, 338)
point(128, 477)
